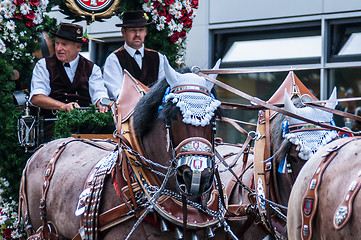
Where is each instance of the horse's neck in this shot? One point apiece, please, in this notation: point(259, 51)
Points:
point(155, 149)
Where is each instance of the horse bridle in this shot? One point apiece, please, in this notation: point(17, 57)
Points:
point(195, 153)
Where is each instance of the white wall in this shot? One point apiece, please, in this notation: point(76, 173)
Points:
point(198, 39)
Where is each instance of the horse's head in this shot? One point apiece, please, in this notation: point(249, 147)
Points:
point(294, 141)
point(187, 108)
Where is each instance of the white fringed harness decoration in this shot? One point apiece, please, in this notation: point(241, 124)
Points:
point(309, 138)
point(197, 108)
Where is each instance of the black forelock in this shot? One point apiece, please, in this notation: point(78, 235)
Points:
point(146, 110)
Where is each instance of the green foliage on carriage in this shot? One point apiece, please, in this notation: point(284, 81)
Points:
point(82, 121)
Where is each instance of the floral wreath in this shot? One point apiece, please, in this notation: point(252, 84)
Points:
point(174, 16)
point(14, 36)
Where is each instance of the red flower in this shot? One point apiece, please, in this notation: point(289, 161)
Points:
point(195, 3)
point(30, 16)
point(162, 12)
point(34, 2)
point(29, 23)
point(169, 17)
point(146, 1)
point(187, 22)
point(169, 2)
point(156, 4)
point(84, 40)
point(7, 233)
point(174, 37)
point(182, 34)
point(19, 2)
point(17, 15)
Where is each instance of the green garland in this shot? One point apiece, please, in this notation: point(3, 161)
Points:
point(12, 157)
point(83, 121)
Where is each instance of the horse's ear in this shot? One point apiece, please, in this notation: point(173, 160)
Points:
point(289, 106)
point(170, 74)
point(216, 67)
point(332, 104)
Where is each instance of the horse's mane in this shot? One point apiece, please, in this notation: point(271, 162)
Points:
point(146, 110)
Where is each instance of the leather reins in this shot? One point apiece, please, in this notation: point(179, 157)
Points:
point(271, 106)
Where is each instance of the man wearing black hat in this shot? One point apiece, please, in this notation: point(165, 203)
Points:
point(67, 80)
point(144, 64)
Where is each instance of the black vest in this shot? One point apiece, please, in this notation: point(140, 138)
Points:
point(150, 65)
point(61, 87)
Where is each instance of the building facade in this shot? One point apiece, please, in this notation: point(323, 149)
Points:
point(319, 39)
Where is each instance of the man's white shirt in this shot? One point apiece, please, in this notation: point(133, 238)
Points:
point(40, 82)
point(113, 72)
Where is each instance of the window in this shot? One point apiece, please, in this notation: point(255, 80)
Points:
point(345, 40)
point(274, 49)
point(284, 44)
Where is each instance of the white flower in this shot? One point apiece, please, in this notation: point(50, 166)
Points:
point(2, 47)
point(44, 2)
point(179, 41)
point(189, 9)
point(147, 7)
point(179, 27)
point(21, 46)
point(12, 7)
point(38, 18)
point(14, 215)
point(1, 18)
point(172, 9)
point(179, 61)
point(178, 5)
point(25, 9)
point(160, 26)
point(3, 218)
point(162, 19)
point(172, 25)
point(178, 14)
point(2, 6)
point(6, 183)
point(8, 14)
point(186, 3)
point(11, 26)
point(155, 15)
point(14, 234)
point(193, 15)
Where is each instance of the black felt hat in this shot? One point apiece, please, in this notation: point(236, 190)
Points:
point(134, 19)
point(69, 31)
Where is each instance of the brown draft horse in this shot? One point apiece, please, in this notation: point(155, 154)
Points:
point(337, 209)
point(71, 160)
point(285, 152)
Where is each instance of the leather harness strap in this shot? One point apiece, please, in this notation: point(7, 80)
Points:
point(344, 210)
point(310, 199)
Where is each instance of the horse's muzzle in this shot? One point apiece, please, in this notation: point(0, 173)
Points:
point(195, 166)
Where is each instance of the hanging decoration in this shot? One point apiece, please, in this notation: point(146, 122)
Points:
point(91, 10)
